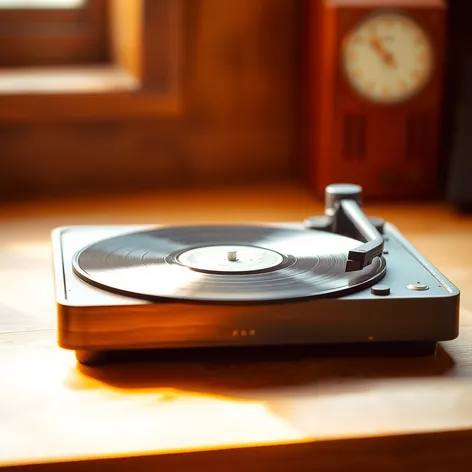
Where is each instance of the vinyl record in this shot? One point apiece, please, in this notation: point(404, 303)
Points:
point(232, 263)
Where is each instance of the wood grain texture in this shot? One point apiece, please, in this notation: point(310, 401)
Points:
point(235, 118)
point(303, 411)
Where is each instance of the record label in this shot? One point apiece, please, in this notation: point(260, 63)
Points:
point(230, 259)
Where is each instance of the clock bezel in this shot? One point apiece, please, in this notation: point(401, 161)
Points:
point(380, 12)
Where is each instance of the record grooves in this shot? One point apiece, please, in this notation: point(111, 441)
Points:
point(192, 263)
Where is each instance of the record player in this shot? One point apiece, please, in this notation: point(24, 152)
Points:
point(340, 278)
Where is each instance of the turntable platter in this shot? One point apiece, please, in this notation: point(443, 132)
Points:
point(232, 263)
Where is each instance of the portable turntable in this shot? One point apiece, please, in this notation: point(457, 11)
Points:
point(338, 278)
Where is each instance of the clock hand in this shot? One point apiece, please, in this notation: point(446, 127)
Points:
point(378, 46)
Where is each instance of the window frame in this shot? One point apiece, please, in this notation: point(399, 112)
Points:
point(142, 78)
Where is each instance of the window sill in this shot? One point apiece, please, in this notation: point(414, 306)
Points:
point(71, 93)
point(32, 81)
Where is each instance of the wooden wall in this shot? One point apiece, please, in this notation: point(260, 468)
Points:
point(459, 47)
point(241, 119)
point(243, 113)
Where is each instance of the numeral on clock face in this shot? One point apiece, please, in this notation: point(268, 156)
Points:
point(387, 58)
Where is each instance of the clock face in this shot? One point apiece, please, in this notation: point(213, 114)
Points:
point(387, 58)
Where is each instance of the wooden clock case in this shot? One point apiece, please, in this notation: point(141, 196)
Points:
point(392, 151)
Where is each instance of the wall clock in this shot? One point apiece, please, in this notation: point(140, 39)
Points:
point(375, 94)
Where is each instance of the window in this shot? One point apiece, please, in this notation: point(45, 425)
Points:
point(89, 59)
point(53, 32)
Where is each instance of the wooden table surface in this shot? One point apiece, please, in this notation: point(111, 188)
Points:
point(310, 412)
